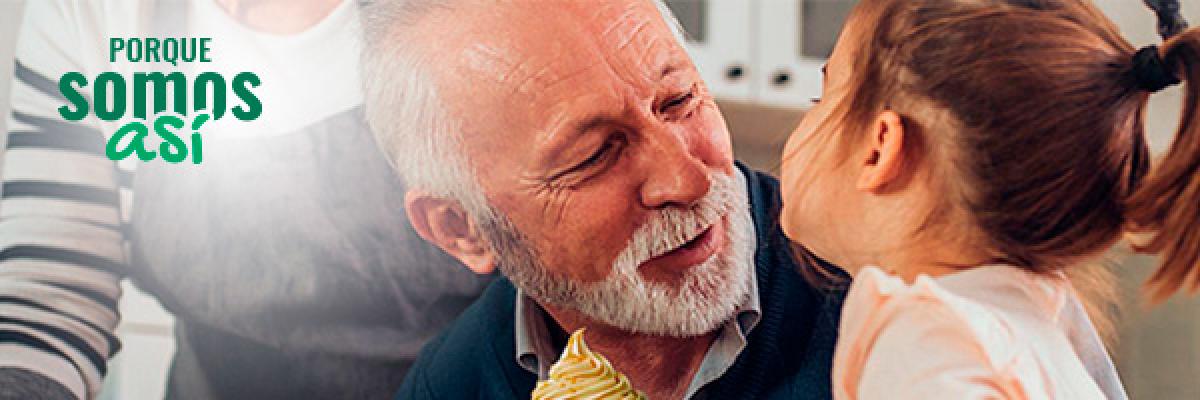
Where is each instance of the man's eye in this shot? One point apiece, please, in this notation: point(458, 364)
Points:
point(678, 101)
point(598, 156)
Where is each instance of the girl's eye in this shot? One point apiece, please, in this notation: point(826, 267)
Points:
point(815, 100)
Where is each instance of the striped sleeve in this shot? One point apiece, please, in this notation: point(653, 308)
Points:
point(61, 227)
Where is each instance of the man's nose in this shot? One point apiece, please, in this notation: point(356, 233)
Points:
point(678, 173)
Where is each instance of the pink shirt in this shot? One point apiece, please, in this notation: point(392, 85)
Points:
point(994, 332)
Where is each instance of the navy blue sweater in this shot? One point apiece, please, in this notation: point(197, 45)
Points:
point(788, 355)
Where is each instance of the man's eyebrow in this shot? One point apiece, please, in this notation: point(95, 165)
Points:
point(674, 63)
point(587, 123)
point(567, 131)
point(565, 134)
point(669, 68)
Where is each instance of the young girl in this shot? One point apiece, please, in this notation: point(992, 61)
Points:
point(974, 150)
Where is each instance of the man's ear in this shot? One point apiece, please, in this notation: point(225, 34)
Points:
point(446, 224)
point(884, 160)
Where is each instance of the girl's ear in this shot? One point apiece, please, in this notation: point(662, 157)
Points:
point(446, 224)
point(885, 154)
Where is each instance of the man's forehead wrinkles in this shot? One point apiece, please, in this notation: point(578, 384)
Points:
point(629, 16)
point(630, 28)
point(489, 60)
point(635, 43)
point(656, 54)
point(523, 74)
point(632, 37)
point(548, 79)
point(537, 78)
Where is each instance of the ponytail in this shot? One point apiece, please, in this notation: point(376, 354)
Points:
point(1166, 202)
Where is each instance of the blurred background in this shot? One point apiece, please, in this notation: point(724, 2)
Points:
point(762, 59)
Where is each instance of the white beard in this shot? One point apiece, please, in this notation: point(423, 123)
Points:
point(705, 297)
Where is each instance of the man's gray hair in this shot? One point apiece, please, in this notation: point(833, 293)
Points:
point(422, 141)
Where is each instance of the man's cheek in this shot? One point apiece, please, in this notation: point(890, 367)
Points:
point(585, 250)
point(600, 229)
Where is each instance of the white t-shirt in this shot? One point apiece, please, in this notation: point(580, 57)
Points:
point(306, 76)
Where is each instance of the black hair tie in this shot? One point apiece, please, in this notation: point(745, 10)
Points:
point(1150, 71)
point(1170, 21)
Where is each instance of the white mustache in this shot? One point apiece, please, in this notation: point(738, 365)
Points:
point(671, 228)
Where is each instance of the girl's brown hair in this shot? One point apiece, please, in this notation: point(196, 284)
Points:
point(1039, 131)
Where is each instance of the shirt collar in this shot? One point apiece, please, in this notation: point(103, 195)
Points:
point(534, 343)
point(536, 351)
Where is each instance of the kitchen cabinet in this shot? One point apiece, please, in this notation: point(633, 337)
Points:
point(762, 51)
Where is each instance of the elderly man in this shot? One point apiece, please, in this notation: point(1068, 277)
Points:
point(573, 146)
